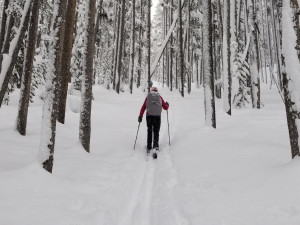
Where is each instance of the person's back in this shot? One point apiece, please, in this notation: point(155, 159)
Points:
point(154, 104)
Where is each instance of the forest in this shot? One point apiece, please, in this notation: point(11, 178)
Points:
point(74, 74)
point(227, 47)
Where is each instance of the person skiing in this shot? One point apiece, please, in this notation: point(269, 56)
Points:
point(154, 104)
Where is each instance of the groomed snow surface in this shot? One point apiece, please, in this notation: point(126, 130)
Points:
point(239, 174)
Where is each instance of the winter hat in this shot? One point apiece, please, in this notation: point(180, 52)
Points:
point(150, 83)
point(154, 89)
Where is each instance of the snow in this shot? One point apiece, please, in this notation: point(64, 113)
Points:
point(289, 43)
point(13, 44)
point(239, 173)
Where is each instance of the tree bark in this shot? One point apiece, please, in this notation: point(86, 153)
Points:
point(209, 99)
point(3, 23)
point(149, 42)
point(139, 71)
point(227, 61)
point(65, 75)
point(171, 48)
point(181, 60)
point(131, 69)
point(50, 105)
point(120, 46)
point(87, 94)
point(27, 72)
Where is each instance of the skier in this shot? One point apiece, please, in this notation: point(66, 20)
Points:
point(154, 104)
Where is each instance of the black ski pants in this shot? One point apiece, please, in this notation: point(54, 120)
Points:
point(153, 124)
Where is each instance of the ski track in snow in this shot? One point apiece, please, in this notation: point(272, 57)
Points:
point(138, 209)
point(152, 199)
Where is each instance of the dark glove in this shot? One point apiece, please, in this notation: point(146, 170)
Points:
point(140, 119)
point(167, 103)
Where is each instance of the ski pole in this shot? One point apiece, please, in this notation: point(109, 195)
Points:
point(136, 135)
point(168, 126)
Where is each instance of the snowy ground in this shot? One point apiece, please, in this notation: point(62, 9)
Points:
point(239, 174)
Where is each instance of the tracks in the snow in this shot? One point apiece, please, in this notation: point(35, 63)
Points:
point(152, 200)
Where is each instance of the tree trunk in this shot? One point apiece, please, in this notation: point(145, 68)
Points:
point(209, 99)
point(7, 37)
point(87, 94)
point(254, 68)
point(226, 60)
point(65, 75)
point(171, 48)
point(188, 46)
point(120, 46)
point(139, 71)
point(116, 49)
point(3, 23)
point(131, 67)
point(50, 105)
point(149, 42)
point(28, 64)
point(181, 60)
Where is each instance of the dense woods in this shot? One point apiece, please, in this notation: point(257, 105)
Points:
point(228, 48)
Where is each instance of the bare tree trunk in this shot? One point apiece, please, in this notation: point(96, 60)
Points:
point(120, 46)
point(28, 63)
point(181, 60)
point(87, 93)
point(164, 36)
point(167, 46)
point(139, 71)
point(131, 69)
point(254, 68)
point(210, 115)
point(116, 49)
point(227, 61)
point(171, 48)
point(3, 23)
point(50, 104)
point(188, 68)
point(149, 42)
point(66, 60)
point(275, 35)
point(289, 74)
point(7, 37)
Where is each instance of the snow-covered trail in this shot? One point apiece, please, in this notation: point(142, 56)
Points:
point(152, 200)
point(227, 175)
